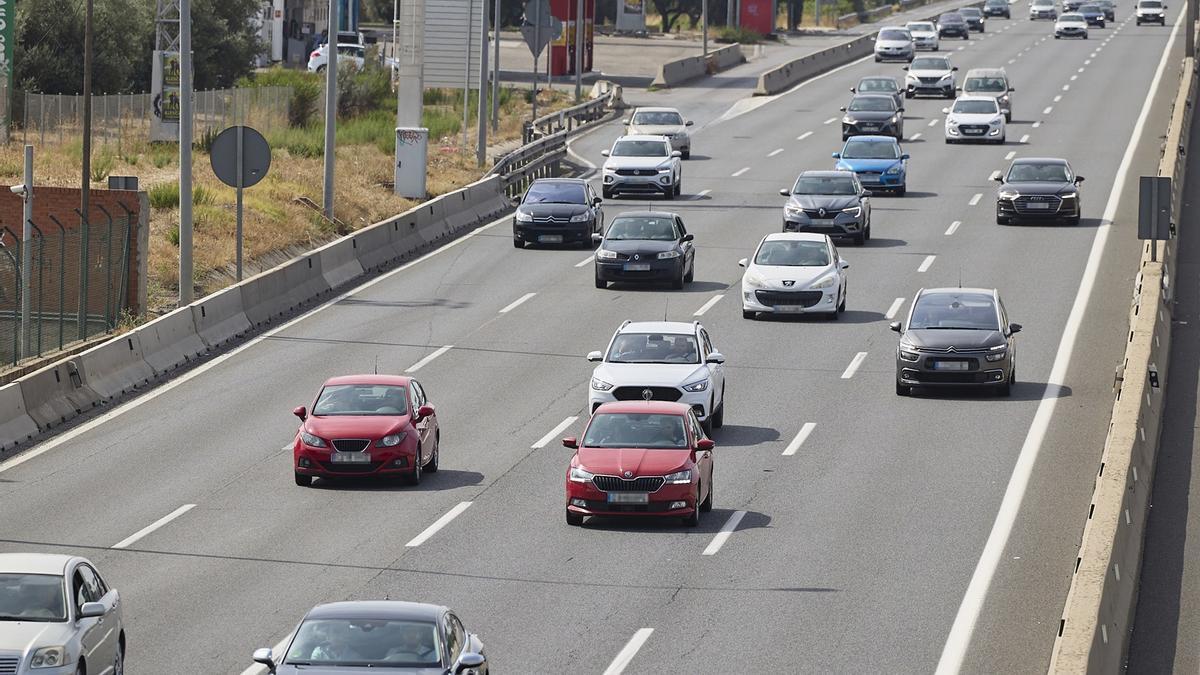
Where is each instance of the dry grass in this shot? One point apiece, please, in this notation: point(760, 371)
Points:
point(275, 225)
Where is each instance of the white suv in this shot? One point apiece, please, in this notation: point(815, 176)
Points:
point(661, 361)
point(1151, 11)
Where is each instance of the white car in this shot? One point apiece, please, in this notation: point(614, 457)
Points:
point(893, 43)
point(794, 273)
point(975, 118)
point(642, 165)
point(661, 122)
point(1042, 9)
point(661, 361)
point(924, 35)
point(58, 615)
point(930, 75)
point(347, 52)
point(1071, 25)
point(1151, 11)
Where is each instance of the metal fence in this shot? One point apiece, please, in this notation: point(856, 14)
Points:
point(95, 258)
point(120, 118)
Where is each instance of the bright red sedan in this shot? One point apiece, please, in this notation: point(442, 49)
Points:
point(647, 458)
point(367, 425)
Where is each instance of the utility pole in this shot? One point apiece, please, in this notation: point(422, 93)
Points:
point(185, 153)
point(1190, 45)
point(481, 140)
point(496, 68)
point(704, 23)
point(331, 96)
point(86, 179)
point(579, 51)
point(27, 257)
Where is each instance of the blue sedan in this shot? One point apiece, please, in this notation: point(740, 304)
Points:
point(878, 160)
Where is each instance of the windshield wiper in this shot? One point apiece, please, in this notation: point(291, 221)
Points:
point(955, 328)
point(35, 619)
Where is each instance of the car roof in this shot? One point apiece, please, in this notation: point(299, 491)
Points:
point(394, 380)
point(34, 563)
point(827, 174)
point(926, 21)
point(1040, 160)
point(645, 214)
point(973, 97)
point(960, 10)
point(652, 108)
point(955, 290)
point(642, 137)
point(671, 327)
point(796, 236)
point(578, 181)
point(655, 407)
point(987, 72)
point(377, 609)
point(890, 140)
point(871, 94)
point(893, 28)
point(1070, 15)
point(876, 77)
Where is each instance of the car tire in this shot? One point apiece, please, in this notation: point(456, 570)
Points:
point(1102, 24)
point(901, 191)
point(859, 238)
point(1008, 118)
point(842, 305)
point(867, 231)
point(432, 466)
point(677, 282)
point(1073, 221)
point(707, 504)
point(1004, 390)
point(414, 478)
point(574, 519)
point(303, 480)
point(517, 243)
point(1057, 36)
point(902, 389)
point(935, 48)
point(691, 273)
point(606, 193)
point(600, 283)
point(693, 519)
point(747, 314)
point(320, 69)
point(119, 660)
point(686, 154)
point(1085, 36)
point(877, 59)
point(908, 94)
point(707, 424)
point(719, 414)
point(1001, 220)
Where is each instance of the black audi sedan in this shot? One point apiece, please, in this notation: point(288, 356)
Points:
point(828, 202)
point(645, 246)
point(873, 115)
point(1039, 188)
point(958, 337)
point(557, 211)
point(952, 24)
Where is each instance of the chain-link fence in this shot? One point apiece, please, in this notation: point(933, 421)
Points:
point(79, 284)
point(121, 118)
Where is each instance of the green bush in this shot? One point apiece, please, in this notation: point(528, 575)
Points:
point(102, 165)
point(739, 35)
point(166, 196)
point(299, 142)
point(366, 89)
point(306, 91)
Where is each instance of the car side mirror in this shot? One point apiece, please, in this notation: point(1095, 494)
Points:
point(705, 444)
point(895, 327)
point(571, 442)
point(688, 123)
point(953, 68)
point(844, 265)
point(837, 155)
point(597, 238)
point(1012, 88)
point(676, 153)
point(689, 237)
point(945, 111)
point(742, 262)
point(597, 201)
point(469, 661)
point(301, 412)
point(1078, 179)
point(843, 108)
point(999, 178)
point(715, 357)
point(516, 201)
point(264, 656)
point(865, 193)
point(425, 411)
point(1014, 328)
point(900, 109)
point(784, 192)
point(852, 90)
point(905, 156)
point(625, 121)
point(604, 153)
point(595, 356)
point(91, 610)
point(904, 68)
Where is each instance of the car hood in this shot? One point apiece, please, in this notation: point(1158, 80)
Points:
point(776, 275)
point(1041, 188)
point(973, 118)
point(640, 462)
point(637, 163)
point(1071, 24)
point(346, 670)
point(959, 339)
point(655, 129)
point(544, 210)
point(850, 164)
point(354, 426)
point(831, 203)
point(892, 44)
point(870, 115)
point(650, 374)
point(639, 246)
point(923, 34)
point(24, 635)
point(930, 73)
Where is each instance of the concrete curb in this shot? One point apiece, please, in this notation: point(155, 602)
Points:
point(680, 71)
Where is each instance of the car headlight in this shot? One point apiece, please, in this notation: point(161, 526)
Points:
point(910, 78)
point(391, 441)
point(667, 255)
point(309, 439)
point(896, 117)
point(907, 353)
point(679, 477)
point(847, 120)
point(581, 217)
point(605, 254)
point(608, 169)
point(947, 76)
point(855, 211)
point(997, 353)
point(1069, 195)
point(754, 281)
point(600, 385)
point(1009, 193)
point(523, 217)
point(48, 657)
point(997, 122)
point(699, 385)
point(842, 166)
point(666, 170)
point(894, 170)
point(827, 282)
point(580, 475)
point(792, 210)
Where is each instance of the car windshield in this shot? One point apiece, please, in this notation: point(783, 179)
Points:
point(872, 104)
point(1150, 4)
point(366, 643)
point(954, 311)
point(825, 185)
point(361, 399)
point(555, 193)
point(658, 118)
point(923, 27)
point(792, 253)
point(1043, 3)
point(636, 430)
point(988, 84)
point(32, 597)
point(970, 12)
point(976, 107)
point(929, 63)
point(894, 35)
point(996, 3)
point(860, 149)
point(1029, 172)
point(1070, 18)
point(654, 348)
point(642, 228)
point(880, 84)
point(1089, 9)
point(950, 18)
point(640, 149)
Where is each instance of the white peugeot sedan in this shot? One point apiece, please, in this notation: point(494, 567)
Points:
point(794, 273)
point(58, 617)
point(975, 118)
point(661, 361)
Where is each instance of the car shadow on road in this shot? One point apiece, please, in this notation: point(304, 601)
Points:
point(855, 316)
point(710, 523)
point(1084, 223)
point(912, 194)
point(692, 287)
point(697, 158)
point(742, 435)
point(1022, 391)
point(444, 479)
point(878, 242)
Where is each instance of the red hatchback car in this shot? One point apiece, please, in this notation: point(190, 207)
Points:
point(646, 458)
point(367, 425)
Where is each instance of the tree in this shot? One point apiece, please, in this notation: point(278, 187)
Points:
point(225, 41)
point(671, 10)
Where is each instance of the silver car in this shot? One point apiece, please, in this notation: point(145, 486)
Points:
point(992, 82)
point(58, 617)
point(661, 122)
point(642, 165)
point(893, 43)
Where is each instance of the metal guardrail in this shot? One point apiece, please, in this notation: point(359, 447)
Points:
point(567, 119)
point(871, 15)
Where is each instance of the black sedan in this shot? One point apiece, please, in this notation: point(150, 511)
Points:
point(557, 211)
point(873, 115)
point(1039, 188)
point(997, 8)
point(973, 17)
point(1093, 14)
point(645, 246)
point(1109, 7)
point(952, 24)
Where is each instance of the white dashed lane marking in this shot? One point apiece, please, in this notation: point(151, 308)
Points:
point(854, 364)
point(926, 263)
point(953, 227)
point(896, 305)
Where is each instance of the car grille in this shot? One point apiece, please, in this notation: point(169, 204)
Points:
point(607, 507)
point(350, 444)
point(956, 350)
point(342, 467)
point(816, 213)
point(967, 377)
point(929, 80)
point(637, 172)
point(657, 393)
point(802, 298)
point(9, 664)
point(618, 484)
point(1022, 204)
point(552, 219)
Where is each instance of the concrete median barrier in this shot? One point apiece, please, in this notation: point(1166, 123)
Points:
point(684, 70)
point(116, 367)
point(219, 317)
point(56, 394)
point(460, 212)
point(171, 341)
point(16, 426)
point(339, 261)
point(375, 244)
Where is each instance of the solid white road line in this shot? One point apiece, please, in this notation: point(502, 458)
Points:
point(1010, 155)
point(854, 364)
point(831, 120)
point(127, 541)
point(926, 263)
point(775, 152)
point(586, 261)
point(562, 426)
point(914, 136)
point(1024, 139)
point(805, 430)
point(740, 171)
point(726, 531)
point(628, 652)
point(933, 123)
point(517, 303)
point(975, 199)
point(959, 639)
point(277, 651)
point(708, 305)
point(953, 227)
point(438, 525)
point(425, 361)
point(804, 135)
point(1047, 110)
point(889, 314)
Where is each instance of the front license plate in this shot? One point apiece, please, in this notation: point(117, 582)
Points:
point(637, 268)
point(821, 221)
point(950, 365)
point(870, 127)
point(350, 458)
point(789, 309)
point(628, 497)
point(1037, 205)
point(550, 239)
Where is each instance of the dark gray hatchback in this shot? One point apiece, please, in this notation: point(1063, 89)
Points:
point(557, 211)
point(956, 337)
point(645, 246)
